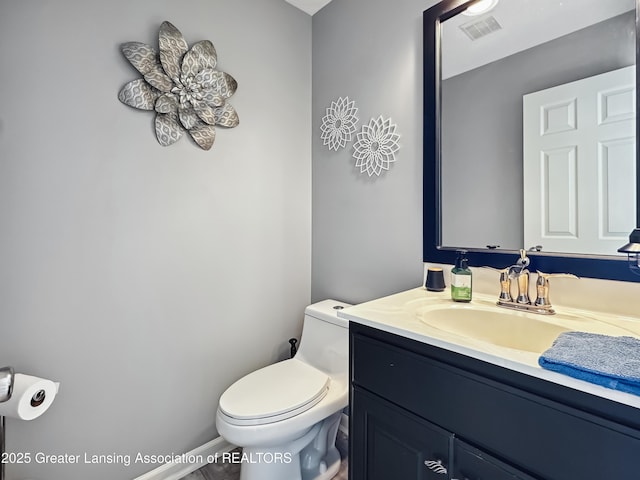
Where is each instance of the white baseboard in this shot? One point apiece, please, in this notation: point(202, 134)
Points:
point(190, 461)
point(204, 454)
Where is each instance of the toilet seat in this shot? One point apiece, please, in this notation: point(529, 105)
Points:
point(274, 393)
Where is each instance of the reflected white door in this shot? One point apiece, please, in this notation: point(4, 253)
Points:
point(580, 164)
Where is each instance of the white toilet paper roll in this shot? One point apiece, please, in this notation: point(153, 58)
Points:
point(31, 397)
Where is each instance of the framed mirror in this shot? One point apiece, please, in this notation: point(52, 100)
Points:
point(530, 133)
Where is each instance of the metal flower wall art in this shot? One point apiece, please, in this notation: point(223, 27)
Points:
point(339, 124)
point(182, 86)
point(375, 146)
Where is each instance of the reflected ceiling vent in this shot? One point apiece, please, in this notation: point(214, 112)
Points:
point(480, 28)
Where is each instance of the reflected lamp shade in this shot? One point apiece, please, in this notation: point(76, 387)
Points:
point(633, 247)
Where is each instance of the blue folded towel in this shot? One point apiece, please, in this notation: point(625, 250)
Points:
point(613, 362)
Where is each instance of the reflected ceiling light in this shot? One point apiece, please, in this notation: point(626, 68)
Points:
point(478, 8)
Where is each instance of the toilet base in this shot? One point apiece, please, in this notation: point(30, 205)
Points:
point(332, 461)
point(314, 456)
point(290, 470)
point(288, 467)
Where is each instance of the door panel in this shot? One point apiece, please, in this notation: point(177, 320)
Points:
point(579, 164)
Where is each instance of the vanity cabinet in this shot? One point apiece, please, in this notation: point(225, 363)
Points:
point(413, 403)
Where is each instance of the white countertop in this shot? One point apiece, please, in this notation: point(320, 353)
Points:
point(406, 314)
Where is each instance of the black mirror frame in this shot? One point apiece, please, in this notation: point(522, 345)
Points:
point(601, 267)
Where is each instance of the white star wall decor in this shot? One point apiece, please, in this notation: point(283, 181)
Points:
point(339, 124)
point(375, 146)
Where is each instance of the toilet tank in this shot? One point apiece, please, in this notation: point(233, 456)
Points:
point(325, 337)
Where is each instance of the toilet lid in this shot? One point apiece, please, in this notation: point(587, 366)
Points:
point(274, 393)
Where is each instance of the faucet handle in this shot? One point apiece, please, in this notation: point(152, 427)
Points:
point(542, 287)
point(505, 285)
point(493, 269)
point(546, 276)
point(505, 281)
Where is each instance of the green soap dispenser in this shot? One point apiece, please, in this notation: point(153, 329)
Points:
point(461, 279)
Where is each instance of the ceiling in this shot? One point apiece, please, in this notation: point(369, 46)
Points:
point(525, 24)
point(308, 6)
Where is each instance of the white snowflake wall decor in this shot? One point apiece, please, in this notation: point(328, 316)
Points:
point(375, 146)
point(339, 124)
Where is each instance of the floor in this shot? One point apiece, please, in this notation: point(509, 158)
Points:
point(231, 471)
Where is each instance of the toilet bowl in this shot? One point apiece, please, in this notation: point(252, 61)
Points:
point(285, 416)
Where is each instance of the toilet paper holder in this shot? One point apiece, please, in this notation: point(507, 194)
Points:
point(6, 389)
point(24, 397)
point(6, 383)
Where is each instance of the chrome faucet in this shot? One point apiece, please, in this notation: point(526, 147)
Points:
point(520, 274)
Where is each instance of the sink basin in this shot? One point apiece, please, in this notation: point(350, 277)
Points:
point(506, 329)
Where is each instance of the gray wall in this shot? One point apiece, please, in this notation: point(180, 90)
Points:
point(482, 172)
point(146, 279)
point(367, 231)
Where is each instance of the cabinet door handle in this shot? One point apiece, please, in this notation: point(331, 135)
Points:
point(436, 466)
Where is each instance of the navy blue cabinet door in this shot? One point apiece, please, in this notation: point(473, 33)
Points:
point(388, 442)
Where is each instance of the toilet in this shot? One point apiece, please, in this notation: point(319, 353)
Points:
point(285, 416)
